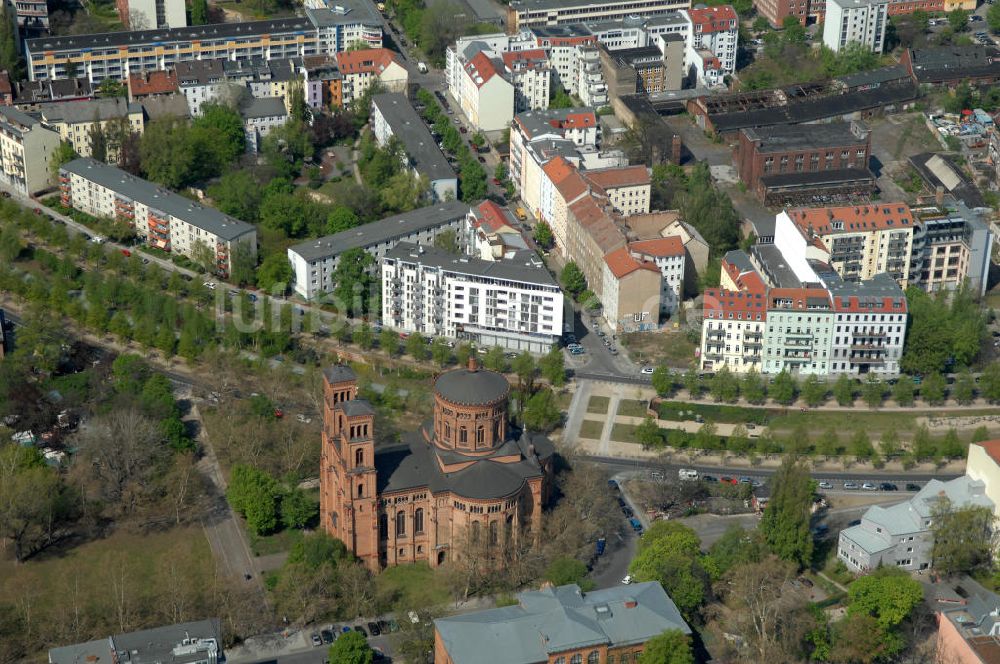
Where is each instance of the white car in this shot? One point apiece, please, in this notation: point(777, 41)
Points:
point(868, 486)
point(210, 285)
point(850, 485)
point(627, 580)
point(414, 618)
point(825, 485)
point(647, 371)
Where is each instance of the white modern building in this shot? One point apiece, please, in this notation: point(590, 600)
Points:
point(163, 219)
point(531, 75)
point(314, 261)
point(26, 149)
point(393, 115)
point(711, 36)
point(855, 21)
point(513, 303)
point(360, 68)
point(476, 81)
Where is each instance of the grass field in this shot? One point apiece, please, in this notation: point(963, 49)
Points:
point(71, 594)
point(623, 433)
point(279, 542)
point(412, 586)
point(598, 405)
point(591, 429)
point(632, 408)
point(678, 412)
point(666, 346)
point(872, 422)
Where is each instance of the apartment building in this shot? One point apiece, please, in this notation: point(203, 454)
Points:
point(669, 257)
point(77, 121)
point(484, 96)
point(587, 81)
point(116, 55)
point(951, 247)
point(314, 261)
point(639, 70)
point(983, 464)
point(260, 116)
point(161, 218)
point(710, 49)
point(855, 22)
point(152, 14)
point(795, 162)
point(628, 188)
point(531, 75)
point(392, 115)
point(26, 149)
point(732, 331)
point(900, 535)
point(512, 303)
point(775, 11)
point(967, 633)
point(630, 291)
point(30, 16)
point(548, 13)
point(152, 84)
point(232, 82)
point(561, 185)
point(360, 68)
point(491, 233)
point(198, 642)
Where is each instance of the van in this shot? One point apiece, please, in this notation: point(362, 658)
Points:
point(687, 474)
point(422, 67)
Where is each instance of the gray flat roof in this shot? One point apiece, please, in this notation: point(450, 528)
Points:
point(264, 107)
point(148, 646)
point(86, 110)
point(530, 5)
point(779, 138)
point(407, 126)
point(390, 228)
point(524, 270)
point(160, 198)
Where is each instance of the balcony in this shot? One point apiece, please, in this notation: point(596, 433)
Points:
point(715, 333)
point(799, 335)
point(873, 348)
point(866, 360)
point(868, 334)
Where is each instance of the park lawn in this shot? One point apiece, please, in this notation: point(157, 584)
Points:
point(623, 433)
point(252, 13)
point(680, 411)
point(875, 422)
point(279, 542)
point(632, 408)
point(152, 566)
point(591, 429)
point(667, 346)
point(598, 405)
point(413, 586)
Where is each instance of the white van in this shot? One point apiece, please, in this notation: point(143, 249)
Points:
point(687, 474)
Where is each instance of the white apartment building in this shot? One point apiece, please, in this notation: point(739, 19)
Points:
point(393, 115)
point(711, 36)
point(163, 219)
point(869, 328)
point(858, 21)
point(153, 14)
point(548, 13)
point(799, 332)
point(515, 304)
point(26, 149)
point(362, 67)
point(260, 116)
point(531, 75)
point(628, 188)
point(314, 261)
point(76, 120)
point(668, 255)
point(589, 83)
point(484, 96)
point(117, 55)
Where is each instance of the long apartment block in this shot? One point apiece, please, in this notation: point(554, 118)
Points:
point(116, 55)
point(163, 219)
point(546, 13)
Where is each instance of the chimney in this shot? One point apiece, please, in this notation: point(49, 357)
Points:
point(631, 603)
point(473, 365)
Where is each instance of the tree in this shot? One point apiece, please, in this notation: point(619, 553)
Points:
point(958, 20)
point(440, 352)
point(351, 648)
point(297, 509)
point(564, 571)
point(416, 347)
point(671, 647)
point(736, 547)
point(543, 235)
point(341, 218)
point(648, 434)
point(692, 383)
point(166, 152)
point(669, 553)
point(963, 537)
point(843, 390)
point(965, 388)
point(274, 273)
point(783, 388)
point(553, 367)
point(663, 380)
point(388, 341)
point(560, 98)
point(10, 243)
point(793, 31)
point(989, 382)
point(524, 367)
point(238, 194)
point(874, 391)
point(364, 336)
point(541, 412)
point(785, 524)
point(62, 155)
point(254, 494)
point(945, 330)
point(887, 594)
point(494, 360)
point(34, 503)
point(98, 141)
point(752, 387)
point(9, 60)
point(573, 279)
point(903, 391)
point(814, 391)
point(932, 389)
point(447, 240)
point(199, 12)
point(724, 386)
point(993, 18)
point(353, 281)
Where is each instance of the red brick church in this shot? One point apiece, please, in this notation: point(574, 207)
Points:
point(466, 475)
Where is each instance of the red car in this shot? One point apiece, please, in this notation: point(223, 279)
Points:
point(38, 210)
point(279, 413)
point(728, 480)
point(126, 253)
point(496, 182)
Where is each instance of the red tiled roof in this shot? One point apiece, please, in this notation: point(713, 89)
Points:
point(713, 19)
point(622, 263)
point(718, 303)
point(481, 69)
point(609, 178)
point(565, 178)
point(576, 121)
point(992, 448)
point(529, 59)
point(365, 61)
point(664, 246)
point(492, 216)
point(593, 221)
point(152, 83)
point(799, 297)
point(854, 304)
point(855, 218)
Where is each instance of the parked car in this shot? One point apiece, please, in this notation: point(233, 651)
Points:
point(374, 629)
point(327, 636)
point(627, 580)
point(825, 485)
point(361, 630)
point(709, 478)
point(647, 371)
point(888, 486)
point(910, 486)
point(869, 486)
point(316, 641)
point(850, 485)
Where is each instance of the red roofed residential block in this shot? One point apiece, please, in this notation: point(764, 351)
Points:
point(622, 263)
point(852, 218)
point(713, 19)
point(481, 69)
point(149, 83)
point(664, 246)
point(365, 60)
point(530, 59)
point(492, 217)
